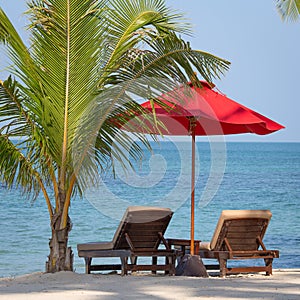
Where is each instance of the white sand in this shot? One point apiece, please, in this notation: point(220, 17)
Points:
point(284, 284)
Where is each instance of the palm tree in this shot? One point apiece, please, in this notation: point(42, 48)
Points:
point(288, 9)
point(61, 107)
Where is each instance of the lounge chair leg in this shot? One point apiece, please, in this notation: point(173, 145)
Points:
point(268, 263)
point(88, 261)
point(133, 261)
point(168, 263)
point(154, 262)
point(223, 267)
point(124, 262)
point(172, 260)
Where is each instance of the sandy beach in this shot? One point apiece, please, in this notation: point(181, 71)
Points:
point(283, 284)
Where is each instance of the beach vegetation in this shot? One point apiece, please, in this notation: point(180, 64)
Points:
point(84, 64)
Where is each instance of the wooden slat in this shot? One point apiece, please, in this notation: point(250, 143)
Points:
point(256, 254)
point(244, 235)
point(147, 233)
point(243, 244)
point(141, 238)
point(144, 244)
point(149, 252)
point(105, 267)
point(138, 244)
point(214, 254)
point(254, 269)
point(247, 222)
point(145, 227)
point(148, 267)
point(104, 253)
point(244, 229)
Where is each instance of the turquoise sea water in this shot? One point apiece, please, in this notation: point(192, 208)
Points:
point(242, 176)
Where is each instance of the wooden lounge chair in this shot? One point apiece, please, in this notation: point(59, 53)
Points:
point(140, 233)
point(239, 236)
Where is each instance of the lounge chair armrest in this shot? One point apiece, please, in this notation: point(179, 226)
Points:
point(129, 242)
point(257, 253)
point(164, 241)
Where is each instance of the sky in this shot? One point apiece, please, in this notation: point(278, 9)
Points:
point(263, 51)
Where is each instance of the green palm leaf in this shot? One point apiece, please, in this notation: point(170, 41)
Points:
point(289, 10)
point(21, 154)
point(78, 53)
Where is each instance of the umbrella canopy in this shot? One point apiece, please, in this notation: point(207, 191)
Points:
point(208, 112)
point(190, 110)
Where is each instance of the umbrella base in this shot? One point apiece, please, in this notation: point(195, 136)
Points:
point(191, 265)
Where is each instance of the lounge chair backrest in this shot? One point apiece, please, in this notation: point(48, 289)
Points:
point(241, 228)
point(142, 224)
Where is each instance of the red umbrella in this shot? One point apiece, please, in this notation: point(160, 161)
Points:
point(202, 111)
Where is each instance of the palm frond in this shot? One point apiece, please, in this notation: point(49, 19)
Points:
point(129, 16)
point(130, 21)
point(22, 64)
point(88, 63)
point(100, 139)
point(15, 169)
point(17, 123)
point(65, 44)
point(289, 10)
point(170, 58)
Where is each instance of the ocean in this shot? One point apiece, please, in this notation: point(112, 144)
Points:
point(235, 175)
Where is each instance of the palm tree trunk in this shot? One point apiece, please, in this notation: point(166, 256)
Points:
point(61, 256)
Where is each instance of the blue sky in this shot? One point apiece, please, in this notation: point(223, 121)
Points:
point(263, 51)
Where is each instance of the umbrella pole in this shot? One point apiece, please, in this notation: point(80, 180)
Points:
point(193, 194)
